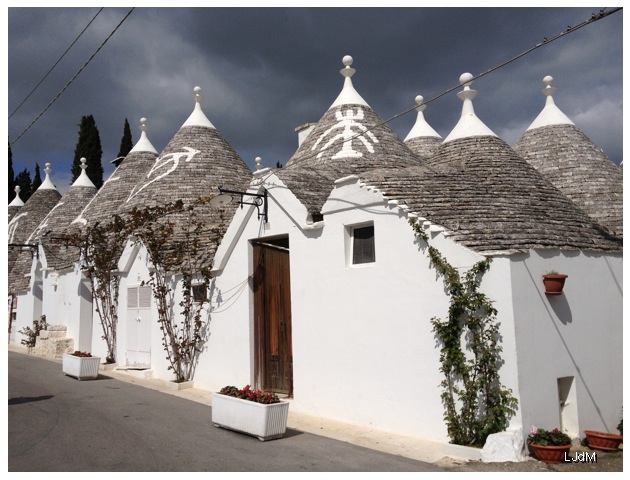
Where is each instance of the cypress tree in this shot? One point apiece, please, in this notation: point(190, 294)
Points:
point(88, 146)
point(126, 144)
point(23, 179)
point(11, 177)
point(37, 180)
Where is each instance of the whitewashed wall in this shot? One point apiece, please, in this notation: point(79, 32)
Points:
point(69, 303)
point(578, 334)
point(363, 349)
point(65, 300)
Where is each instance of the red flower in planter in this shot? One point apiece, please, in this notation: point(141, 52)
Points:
point(246, 393)
point(78, 353)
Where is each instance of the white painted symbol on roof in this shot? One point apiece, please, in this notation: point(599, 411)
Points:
point(43, 224)
point(171, 160)
point(350, 127)
point(13, 225)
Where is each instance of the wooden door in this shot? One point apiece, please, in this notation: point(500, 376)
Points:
point(139, 327)
point(272, 318)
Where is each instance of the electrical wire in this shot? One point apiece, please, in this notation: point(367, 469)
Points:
point(547, 40)
point(60, 58)
point(73, 78)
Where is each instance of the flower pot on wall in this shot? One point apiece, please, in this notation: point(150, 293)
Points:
point(554, 283)
point(260, 420)
point(550, 453)
point(82, 368)
point(603, 440)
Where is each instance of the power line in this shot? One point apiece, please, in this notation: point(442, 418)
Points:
point(73, 78)
point(593, 18)
point(546, 40)
point(60, 58)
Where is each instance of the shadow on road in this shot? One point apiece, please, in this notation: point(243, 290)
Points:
point(18, 400)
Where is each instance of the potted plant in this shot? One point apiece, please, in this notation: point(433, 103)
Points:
point(554, 282)
point(549, 446)
point(603, 440)
point(253, 412)
point(81, 365)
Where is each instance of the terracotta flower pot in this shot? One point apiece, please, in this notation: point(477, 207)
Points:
point(550, 453)
point(602, 440)
point(554, 283)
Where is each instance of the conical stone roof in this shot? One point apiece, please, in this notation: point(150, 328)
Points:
point(194, 164)
point(23, 224)
point(116, 189)
point(487, 197)
point(58, 255)
point(492, 201)
point(349, 139)
point(31, 214)
point(422, 139)
point(564, 155)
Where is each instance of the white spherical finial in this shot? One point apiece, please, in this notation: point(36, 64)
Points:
point(548, 90)
point(258, 160)
point(143, 124)
point(17, 189)
point(465, 79)
point(420, 103)
point(83, 163)
point(467, 93)
point(347, 71)
point(197, 91)
point(47, 169)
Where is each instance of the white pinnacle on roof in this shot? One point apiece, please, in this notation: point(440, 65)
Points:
point(348, 95)
point(197, 117)
point(421, 128)
point(83, 180)
point(143, 145)
point(47, 184)
point(551, 114)
point(469, 124)
point(17, 201)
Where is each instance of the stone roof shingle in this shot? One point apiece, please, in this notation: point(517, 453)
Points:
point(578, 168)
point(491, 200)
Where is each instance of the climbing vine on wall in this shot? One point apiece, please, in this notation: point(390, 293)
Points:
point(100, 246)
point(476, 404)
point(176, 249)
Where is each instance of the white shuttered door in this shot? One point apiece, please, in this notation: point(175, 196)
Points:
point(139, 327)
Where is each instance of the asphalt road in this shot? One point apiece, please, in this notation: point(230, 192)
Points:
point(57, 423)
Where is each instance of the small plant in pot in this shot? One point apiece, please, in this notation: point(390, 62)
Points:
point(549, 446)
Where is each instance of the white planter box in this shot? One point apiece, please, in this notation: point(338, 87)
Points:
point(263, 421)
point(80, 367)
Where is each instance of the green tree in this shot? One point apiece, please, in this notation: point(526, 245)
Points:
point(11, 177)
point(126, 143)
point(37, 180)
point(23, 179)
point(88, 146)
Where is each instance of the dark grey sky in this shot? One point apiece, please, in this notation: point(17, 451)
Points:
point(265, 71)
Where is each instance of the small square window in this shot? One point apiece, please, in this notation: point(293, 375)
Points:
point(199, 293)
point(363, 245)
